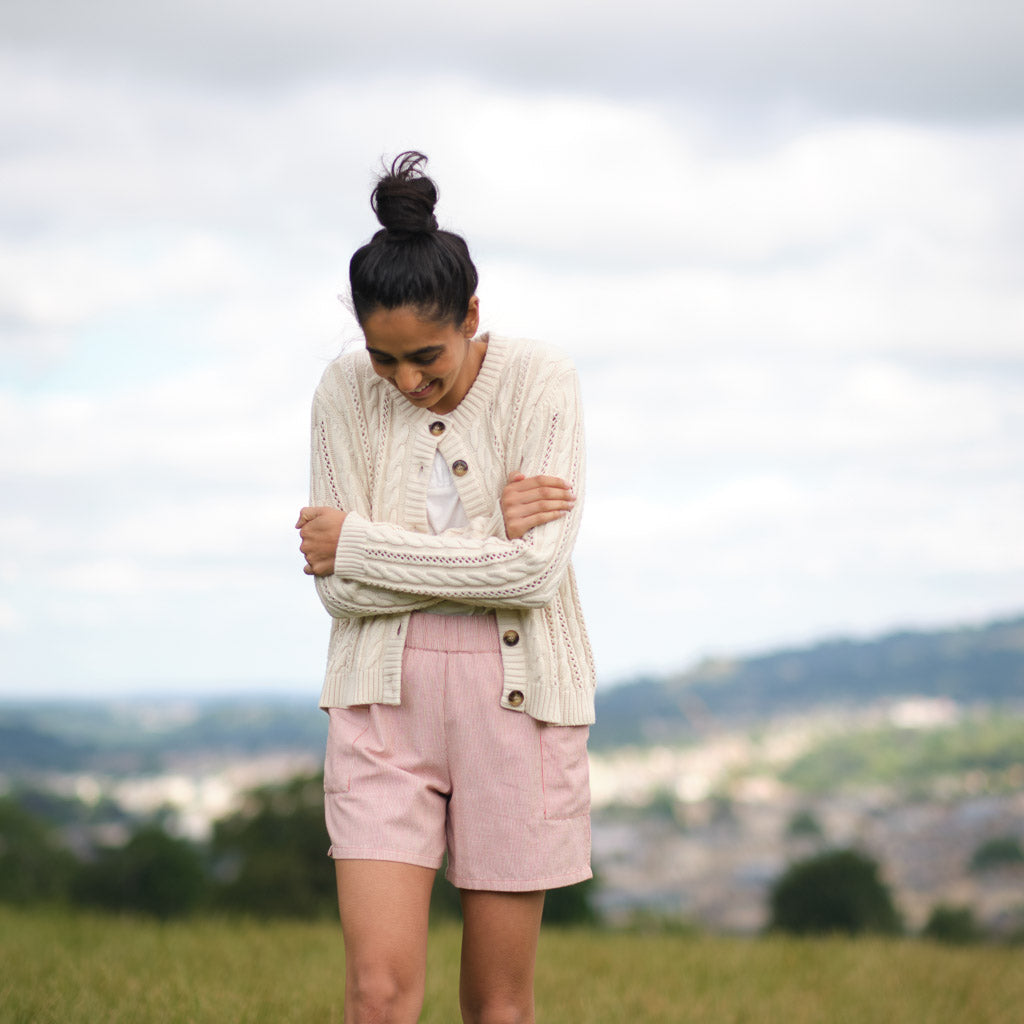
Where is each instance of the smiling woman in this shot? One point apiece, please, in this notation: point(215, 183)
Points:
point(459, 680)
point(430, 363)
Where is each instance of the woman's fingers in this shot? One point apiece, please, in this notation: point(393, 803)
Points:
point(527, 502)
point(536, 518)
point(319, 529)
point(543, 503)
point(538, 488)
point(525, 483)
point(311, 512)
point(549, 494)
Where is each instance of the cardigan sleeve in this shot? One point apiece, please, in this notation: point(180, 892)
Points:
point(338, 480)
point(487, 571)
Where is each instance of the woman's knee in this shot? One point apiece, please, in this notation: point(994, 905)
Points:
point(382, 993)
point(499, 1010)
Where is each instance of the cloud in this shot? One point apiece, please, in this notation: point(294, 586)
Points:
point(798, 334)
point(959, 61)
point(10, 618)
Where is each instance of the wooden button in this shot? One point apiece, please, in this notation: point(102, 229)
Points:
point(437, 428)
point(516, 698)
point(510, 638)
point(459, 468)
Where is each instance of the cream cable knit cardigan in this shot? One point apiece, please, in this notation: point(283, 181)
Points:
point(372, 454)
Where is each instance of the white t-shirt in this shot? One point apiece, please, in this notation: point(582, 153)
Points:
point(445, 512)
point(444, 509)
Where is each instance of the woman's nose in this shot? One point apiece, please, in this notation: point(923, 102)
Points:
point(407, 378)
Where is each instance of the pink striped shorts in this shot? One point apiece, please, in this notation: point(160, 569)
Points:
point(507, 796)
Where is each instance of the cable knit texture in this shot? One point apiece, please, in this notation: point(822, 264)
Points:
point(372, 455)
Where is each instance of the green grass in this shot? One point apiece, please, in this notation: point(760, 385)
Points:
point(59, 966)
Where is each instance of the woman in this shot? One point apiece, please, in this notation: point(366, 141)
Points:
point(446, 475)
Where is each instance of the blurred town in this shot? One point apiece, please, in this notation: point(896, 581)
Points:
point(706, 787)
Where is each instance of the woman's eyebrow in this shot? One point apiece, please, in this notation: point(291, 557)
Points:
point(428, 350)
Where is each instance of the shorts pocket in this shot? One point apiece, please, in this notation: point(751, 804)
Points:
point(565, 770)
point(345, 729)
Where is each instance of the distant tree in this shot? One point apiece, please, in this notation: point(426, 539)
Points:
point(153, 873)
point(837, 891)
point(572, 904)
point(1010, 926)
point(804, 825)
point(722, 811)
point(270, 858)
point(1003, 851)
point(34, 866)
point(445, 903)
point(664, 804)
point(954, 925)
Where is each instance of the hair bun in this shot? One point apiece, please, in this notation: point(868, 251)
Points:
point(409, 262)
point(404, 197)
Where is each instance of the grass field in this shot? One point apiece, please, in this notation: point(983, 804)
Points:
point(57, 966)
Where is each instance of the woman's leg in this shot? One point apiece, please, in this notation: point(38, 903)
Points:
point(384, 907)
point(499, 948)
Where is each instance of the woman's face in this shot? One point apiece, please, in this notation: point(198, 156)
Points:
point(433, 365)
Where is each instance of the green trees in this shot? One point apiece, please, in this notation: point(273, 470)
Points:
point(837, 891)
point(952, 925)
point(34, 867)
point(571, 904)
point(1000, 852)
point(153, 873)
point(270, 858)
point(804, 825)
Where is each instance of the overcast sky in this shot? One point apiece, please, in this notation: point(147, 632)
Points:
point(783, 241)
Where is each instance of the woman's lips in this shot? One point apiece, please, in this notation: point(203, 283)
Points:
point(423, 391)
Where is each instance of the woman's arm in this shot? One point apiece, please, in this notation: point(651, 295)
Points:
point(525, 503)
point(524, 572)
point(335, 488)
point(347, 599)
point(319, 528)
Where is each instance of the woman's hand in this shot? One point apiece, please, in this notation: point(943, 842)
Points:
point(527, 502)
point(319, 528)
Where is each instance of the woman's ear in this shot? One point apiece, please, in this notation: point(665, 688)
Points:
point(472, 322)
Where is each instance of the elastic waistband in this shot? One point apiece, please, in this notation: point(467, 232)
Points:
point(428, 632)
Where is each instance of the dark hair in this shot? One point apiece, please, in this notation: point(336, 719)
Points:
point(410, 262)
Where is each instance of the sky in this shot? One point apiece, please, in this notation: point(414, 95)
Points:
point(783, 242)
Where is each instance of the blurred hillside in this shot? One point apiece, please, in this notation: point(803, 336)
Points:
point(142, 736)
point(982, 665)
point(970, 666)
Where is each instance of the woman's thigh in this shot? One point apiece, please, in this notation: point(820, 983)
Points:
point(384, 907)
point(499, 950)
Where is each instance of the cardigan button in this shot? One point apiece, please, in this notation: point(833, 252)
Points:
point(516, 698)
point(510, 638)
point(437, 428)
point(459, 468)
